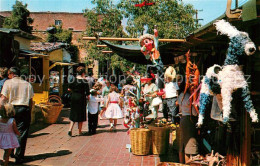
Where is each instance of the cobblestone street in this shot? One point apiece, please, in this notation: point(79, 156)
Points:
point(50, 145)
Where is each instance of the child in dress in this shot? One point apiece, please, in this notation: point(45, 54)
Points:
point(93, 107)
point(8, 131)
point(113, 111)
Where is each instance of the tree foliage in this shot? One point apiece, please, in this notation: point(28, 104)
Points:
point(105, 18)
point(19, 18)
point(65, 36)
point(172, 17)
point(60, 35)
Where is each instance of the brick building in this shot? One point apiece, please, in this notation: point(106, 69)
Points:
point(72, 21)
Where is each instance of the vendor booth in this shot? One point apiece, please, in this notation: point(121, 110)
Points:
point(236, 140)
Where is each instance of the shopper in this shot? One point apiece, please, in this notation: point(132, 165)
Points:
point(93, 108)
point(188, 141)
point(113, 111)
point(8, 131)
point(170, 98)
point(80, 92)
point(105, 92)
point(19, 93)
point(3, 76)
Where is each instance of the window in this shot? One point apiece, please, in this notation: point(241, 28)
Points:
point(71, 29)
point(58, 22)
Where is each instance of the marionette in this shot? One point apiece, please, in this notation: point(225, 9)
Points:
point(149, 47)
point(230, 77)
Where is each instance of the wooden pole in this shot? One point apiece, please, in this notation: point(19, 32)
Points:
point(107, 51)
point(101, 45)
point(132, 39)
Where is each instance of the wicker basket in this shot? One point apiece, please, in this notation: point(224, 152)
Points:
point(170, 164)
point(140, 141)
point(160, 139)
point(51, 109)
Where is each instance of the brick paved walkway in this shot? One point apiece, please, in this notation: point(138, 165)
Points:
point(50, 145)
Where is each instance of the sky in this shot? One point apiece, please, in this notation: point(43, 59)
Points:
point(208, 10)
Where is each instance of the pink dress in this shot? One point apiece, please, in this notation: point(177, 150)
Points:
point(113, 110)
point(8, 139)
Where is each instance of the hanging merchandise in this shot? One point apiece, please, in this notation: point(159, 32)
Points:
point(149, 47)
point(229, 78)
point(192, 81)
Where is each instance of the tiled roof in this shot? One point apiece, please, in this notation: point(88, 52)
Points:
point(46, 46)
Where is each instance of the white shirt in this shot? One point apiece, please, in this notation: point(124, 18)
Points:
point(17, 91)
point(93, 104)
point(171, 89)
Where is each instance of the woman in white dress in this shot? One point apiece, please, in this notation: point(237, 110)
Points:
point(113, 111)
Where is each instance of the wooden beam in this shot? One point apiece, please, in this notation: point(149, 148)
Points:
point(131, 39)
point(101, 45)
point(107, 51)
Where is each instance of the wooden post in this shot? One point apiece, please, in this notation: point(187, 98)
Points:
point(246, 141)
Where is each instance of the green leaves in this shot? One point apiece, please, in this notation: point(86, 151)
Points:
point(61, 35)
point(173, 19)
point(20, 18)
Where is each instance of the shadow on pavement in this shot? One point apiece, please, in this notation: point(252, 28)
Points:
point(64, 114)
point(47, 155)
point(171, 156)
point(37, 126)
point(114, 131)
point(37, 135)
point(103, 126)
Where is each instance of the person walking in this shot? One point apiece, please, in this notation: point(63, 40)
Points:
point(19, 93)
point(93, 107)
point(80, 92)
point(8, 131)
point(105, 92)
point(3, 76)
point(113, 111)
point(188, 143)
point(170, 98)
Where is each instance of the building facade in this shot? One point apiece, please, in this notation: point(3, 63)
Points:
point(70, 21)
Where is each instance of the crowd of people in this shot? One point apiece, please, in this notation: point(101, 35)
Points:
point(96, 100)
point(103, 100)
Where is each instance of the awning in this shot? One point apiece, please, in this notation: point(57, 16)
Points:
point(133, 52)
point(31, 53)
point(62, 64)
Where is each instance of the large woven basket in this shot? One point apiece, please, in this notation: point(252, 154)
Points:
point(140, 141)
point(170, 164)
point(51, 109)
point(160, 139)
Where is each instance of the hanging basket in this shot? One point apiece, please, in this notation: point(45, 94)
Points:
point(160, 139)
point(140, 141)
point(51, 109)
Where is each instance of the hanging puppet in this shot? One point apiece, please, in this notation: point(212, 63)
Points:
point(230, 77)
point(192, 81)
point(149, 47)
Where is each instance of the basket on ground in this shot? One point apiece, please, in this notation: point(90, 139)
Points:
point(140, 141)
point(160, 139)
point(51, 109)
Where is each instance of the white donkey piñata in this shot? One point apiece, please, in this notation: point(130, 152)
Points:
point(230, 77)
